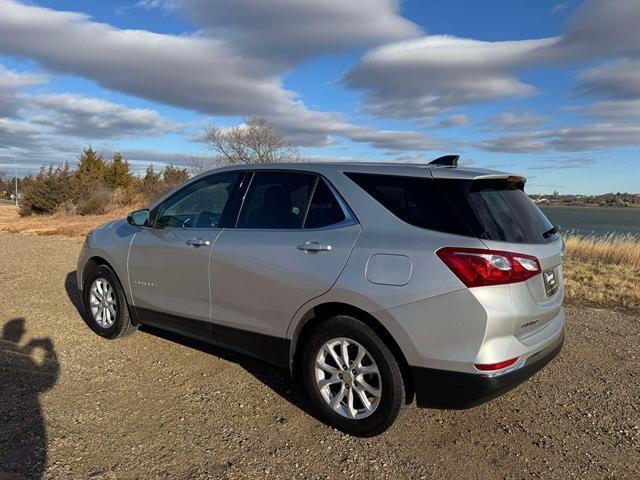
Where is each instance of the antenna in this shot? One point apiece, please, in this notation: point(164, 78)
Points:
point(447, 160)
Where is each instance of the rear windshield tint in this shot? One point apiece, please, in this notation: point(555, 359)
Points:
point(488, 209)
point(498, 210)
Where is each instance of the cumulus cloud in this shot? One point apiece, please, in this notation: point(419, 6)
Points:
point(564, 163)
point(618, 79)
point(516, 143)
point(422, 77)
point(451, 121)
point(11, 84)
point(91, 118)
point(614, 109)
point(579, 138)
point(201, 73)
point(293, 30)
point(515, 121)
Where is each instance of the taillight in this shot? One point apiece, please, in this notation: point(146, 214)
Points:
point(477, 267)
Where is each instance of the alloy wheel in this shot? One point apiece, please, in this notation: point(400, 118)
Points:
point(348, 378)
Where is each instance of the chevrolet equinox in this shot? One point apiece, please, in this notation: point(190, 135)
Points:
point(374, 284)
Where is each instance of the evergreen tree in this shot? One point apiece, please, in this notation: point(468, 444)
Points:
point(91, 167)
point(174, 176)
point(117, 174)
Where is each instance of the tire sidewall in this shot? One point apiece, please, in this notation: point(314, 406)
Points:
point(392, 397)
point(102, 271)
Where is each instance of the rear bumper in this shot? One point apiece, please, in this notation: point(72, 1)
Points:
point(456, 390)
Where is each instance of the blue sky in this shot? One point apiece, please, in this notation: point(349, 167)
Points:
point(549, 89)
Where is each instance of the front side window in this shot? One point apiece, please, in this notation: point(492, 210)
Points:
point(277, 200)
point(199, 205)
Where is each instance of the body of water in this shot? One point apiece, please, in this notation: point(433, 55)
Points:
point(598, 221)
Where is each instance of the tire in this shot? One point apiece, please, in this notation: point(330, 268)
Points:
point(391, 395)
point(108, 326)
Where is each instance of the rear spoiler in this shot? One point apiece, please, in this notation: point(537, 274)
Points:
point(475, 174)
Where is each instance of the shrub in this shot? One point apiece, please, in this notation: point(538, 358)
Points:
point(45, 192)
point(94, 201)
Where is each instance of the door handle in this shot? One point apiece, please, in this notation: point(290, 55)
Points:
point(314, 247)
point(198, 242)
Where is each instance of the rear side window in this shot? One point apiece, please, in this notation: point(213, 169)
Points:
point(276, 200)
point(324, 209)
point(487, 209)
point(417, 201)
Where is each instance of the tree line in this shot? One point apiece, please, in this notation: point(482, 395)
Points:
point(97, 185)
point(94, 186)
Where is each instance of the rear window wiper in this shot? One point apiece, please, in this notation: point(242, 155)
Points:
point(550, 232)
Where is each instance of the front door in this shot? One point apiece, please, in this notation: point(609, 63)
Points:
point(169, 261)
point(285, 251)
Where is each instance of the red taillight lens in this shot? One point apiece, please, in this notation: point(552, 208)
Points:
point(476, 267)
point(490, 367)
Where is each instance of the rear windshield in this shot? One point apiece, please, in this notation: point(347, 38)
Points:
point(498, 210)
point(488, 209)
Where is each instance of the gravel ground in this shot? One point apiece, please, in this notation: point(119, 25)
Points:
point(73, 405)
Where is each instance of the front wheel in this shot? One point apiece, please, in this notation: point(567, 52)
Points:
point(352, 378)
point(105, 304)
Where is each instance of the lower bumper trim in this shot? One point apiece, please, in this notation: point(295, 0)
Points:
point(457, 390)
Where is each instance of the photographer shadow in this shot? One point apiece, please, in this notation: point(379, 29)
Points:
point(26, 371)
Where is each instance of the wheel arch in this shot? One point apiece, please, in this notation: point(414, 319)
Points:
point(323, 311)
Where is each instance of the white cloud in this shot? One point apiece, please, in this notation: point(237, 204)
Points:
point(452, 121)
point(204, 74)
point(422, 77)
point(516, 143)
point(11, 83)
point(92, 118)
point(292, 30)
point(515, 121)
point(579, 138)
point(564, 163)
point(618, 79)
point(614, 109)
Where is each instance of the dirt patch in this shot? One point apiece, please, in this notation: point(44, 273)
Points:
point(151, 406)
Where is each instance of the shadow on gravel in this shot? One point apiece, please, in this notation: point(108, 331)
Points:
point(74, 294)
point(277, 379)
point(26, 371)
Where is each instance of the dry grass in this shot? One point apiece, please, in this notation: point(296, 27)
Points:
point(598, 271)
point(65, 224)
point(603, 271)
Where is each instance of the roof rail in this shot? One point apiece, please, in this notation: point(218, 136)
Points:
point(447, 160)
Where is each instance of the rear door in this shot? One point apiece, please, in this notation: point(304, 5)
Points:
point(499, 212)
point(292, 239)
point(169, 262)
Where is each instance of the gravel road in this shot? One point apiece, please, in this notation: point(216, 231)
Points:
point(73, 405)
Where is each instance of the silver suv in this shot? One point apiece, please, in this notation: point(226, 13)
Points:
point(372, 283)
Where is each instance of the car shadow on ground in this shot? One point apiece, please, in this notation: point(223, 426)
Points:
point(277, 379)
point(27, 369)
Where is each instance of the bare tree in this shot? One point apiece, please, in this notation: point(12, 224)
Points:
point(198, 165)
point(255, 141)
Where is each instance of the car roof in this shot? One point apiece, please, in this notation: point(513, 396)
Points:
point(387, 168)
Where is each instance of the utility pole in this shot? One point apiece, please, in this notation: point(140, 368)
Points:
point(15, 176)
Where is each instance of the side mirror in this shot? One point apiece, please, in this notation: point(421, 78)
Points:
point(139, 218)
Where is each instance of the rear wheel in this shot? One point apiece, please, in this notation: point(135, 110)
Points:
point(351, 377)
point(105, 304)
